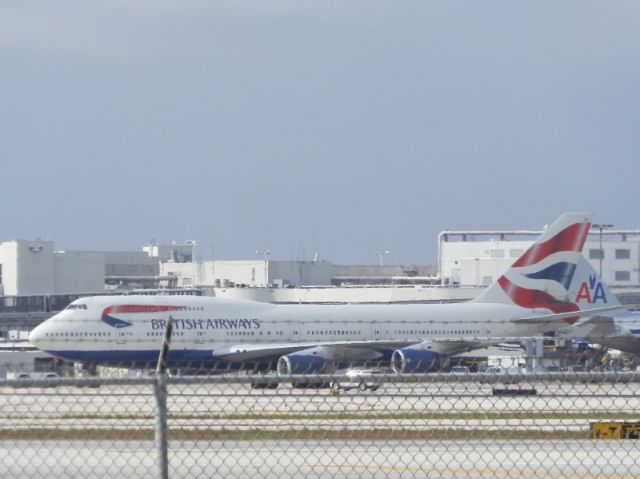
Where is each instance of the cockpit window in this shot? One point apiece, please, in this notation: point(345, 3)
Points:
point(77, 306)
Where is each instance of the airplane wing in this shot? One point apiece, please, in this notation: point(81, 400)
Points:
point(451, 347)
point(350, 350)
point(335, 350)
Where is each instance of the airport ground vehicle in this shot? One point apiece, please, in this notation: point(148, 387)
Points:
point(24, 378)
point(22, 375)
point(363, 379)
point(460, 370)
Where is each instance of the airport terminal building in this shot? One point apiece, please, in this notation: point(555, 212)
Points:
point(35, 267)
point(467, 261)
point(478, 257)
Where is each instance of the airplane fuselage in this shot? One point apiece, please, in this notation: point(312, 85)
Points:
point(544, 290)
point(130, 329)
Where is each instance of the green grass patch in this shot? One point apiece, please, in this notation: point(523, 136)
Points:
point(358, 416)
point(303, 435)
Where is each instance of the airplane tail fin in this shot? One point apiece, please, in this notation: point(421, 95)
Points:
point(588, 290)
point(544, 275)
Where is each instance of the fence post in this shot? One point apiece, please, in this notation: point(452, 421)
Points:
point(160, 393)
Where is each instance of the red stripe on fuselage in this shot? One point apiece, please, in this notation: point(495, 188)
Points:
point(533, 298)
point(569, 239)
point(139, 308)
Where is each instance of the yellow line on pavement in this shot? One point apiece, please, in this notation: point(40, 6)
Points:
point(512, 473)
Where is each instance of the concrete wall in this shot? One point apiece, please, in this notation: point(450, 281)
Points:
point(482, 271)
point(9, 262)
point(301, 273)
point(129, 263)
point(34, 268)
point(611, 265)
point(251, 272)
point(78, 272)
point(475, 263)
point(31, 266)
point(179, 253)
point(472, 262)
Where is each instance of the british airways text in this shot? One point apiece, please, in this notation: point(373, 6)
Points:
point(205, 324)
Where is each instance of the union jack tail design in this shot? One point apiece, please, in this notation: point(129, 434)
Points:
point(544, 276)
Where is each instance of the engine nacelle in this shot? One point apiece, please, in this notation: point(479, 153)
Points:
point(302, 364)
point(414, 360)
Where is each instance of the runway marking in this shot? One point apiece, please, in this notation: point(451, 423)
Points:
point(472, 472)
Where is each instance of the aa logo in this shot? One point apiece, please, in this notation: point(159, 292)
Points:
point(591, 292)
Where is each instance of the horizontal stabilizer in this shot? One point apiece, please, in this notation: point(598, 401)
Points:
point(550, 318)
point(598, 327)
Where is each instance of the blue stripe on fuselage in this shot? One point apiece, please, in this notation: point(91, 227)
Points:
point(135, 358)
point(182, 358)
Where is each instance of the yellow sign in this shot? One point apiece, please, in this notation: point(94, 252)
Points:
point(615, 430)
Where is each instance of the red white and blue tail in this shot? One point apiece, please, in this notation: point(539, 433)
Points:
point(543, 276)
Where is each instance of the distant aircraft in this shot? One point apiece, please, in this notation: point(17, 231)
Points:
point(615, 329)
point(533, 296)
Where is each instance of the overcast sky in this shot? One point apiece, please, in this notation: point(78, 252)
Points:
point(342, 128)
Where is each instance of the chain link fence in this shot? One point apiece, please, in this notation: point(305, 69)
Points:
point(357, 425)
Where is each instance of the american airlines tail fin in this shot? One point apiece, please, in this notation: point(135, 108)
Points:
point(545, 274)
point(589, 292)
point(587, 289)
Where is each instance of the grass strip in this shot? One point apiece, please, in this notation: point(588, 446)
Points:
point(363, 416)
point(308, 434)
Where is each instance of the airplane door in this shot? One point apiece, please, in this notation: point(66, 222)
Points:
point(376, 330)
point(121, 337)
point(294, 332)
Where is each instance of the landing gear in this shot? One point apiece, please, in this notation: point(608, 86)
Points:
point(310, 384)
point(264, 384)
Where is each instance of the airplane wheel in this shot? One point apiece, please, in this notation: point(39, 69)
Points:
point(264, 384)
point(335, 385)
point(362, 386)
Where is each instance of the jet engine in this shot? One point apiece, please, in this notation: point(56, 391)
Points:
point(414, 360)
point(302, 364)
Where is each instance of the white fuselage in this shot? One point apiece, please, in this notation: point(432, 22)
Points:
point(130, 329)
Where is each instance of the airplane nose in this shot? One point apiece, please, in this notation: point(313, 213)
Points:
point(36, 336)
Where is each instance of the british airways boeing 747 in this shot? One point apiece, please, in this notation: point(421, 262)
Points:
point(540, 292)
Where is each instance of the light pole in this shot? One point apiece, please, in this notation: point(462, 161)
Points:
point(600, 227)
point(380, 254)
